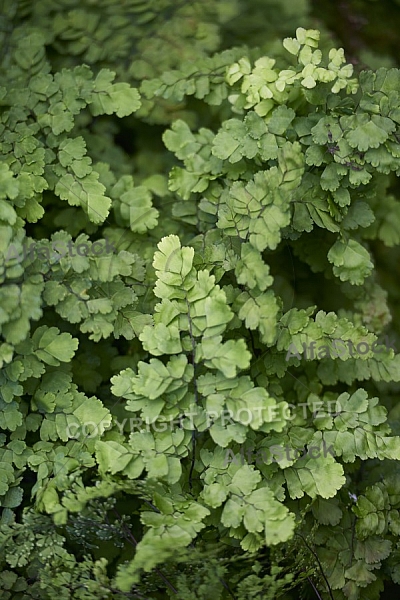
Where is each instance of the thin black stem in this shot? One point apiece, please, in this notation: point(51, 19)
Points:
point(314, 588)
point(131, 538)
point(319, 565)
point(226, 586)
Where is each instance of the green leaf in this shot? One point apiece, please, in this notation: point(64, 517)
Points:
point(368, 132)
point(161, 339)
point(260, 312)
point(251, 269)
point(321, 476)
point(351, 261)
point(214, 495)
point(172, 263)
point(87, 193)
point(8, 187)
point(108, 97)
point(112, 456)
point(227, 357)
point(137, 208)
point(53, 347)
point(280, 120)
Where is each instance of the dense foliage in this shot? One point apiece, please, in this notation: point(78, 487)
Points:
point(199, 221)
